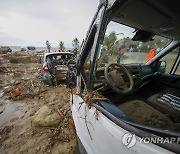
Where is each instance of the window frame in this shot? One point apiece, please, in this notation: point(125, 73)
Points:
point(175, 65)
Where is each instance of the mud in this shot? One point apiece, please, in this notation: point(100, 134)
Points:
point(22, 97)
point(142, 113)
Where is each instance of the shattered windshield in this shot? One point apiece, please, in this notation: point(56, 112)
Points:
point(59, 56)
point(118, 46)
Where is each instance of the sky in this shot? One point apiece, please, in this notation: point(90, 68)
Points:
point(120, 30)
point(32, 22)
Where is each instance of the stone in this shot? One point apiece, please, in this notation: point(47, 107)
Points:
point(45, 116)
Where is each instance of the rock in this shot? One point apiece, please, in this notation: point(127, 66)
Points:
point(32, 91)
point(16, 83)
point(7, 87)
point(12, 81)
point(66, 147)
point(1, 94)
point(2, 110)
point(45, 116)
point(17, 74)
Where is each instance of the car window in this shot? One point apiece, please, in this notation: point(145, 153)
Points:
point(118, 46)
point(31, 48)
point(60, 56)
point(89, 50)
point(170, 59)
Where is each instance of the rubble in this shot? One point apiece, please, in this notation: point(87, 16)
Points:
point(4, 133)
point(1, 110)
point(37, 116)
point(5, 50)
point(25, 88)
point(1, 94)
point(23, 59)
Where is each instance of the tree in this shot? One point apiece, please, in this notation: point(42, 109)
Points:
point(61, 46)
point(157, 43)
point(110, 42)
point(48, 46)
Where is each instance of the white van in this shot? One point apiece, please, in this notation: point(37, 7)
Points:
point(129, 105)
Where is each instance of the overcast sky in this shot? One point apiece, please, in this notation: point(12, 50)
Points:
point(32, 22)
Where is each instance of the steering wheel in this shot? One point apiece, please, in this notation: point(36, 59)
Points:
point(119, 78)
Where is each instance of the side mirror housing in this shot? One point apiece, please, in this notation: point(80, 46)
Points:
point(71, 74)
point(161, 66)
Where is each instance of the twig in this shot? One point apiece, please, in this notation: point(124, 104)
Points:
point(85, 87)
point(101, 99)
point(96, 113)
point(60, 112)
point(2, 110)
point(86, 123)
point(32, 83)
point(80, 105)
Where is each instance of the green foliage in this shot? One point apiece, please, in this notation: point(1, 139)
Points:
point(127, 44)
point(110, 41)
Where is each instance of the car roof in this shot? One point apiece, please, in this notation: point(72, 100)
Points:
point(159, 16)
point(58, 53)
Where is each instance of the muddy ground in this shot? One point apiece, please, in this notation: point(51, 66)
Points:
point(34, 118)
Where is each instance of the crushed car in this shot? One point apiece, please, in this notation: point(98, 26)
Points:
point(30, 50)
point(120, 101)
point(5, 50)
point(54, 66)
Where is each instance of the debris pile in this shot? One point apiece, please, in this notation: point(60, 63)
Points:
point(22, 57)
point(27, 88)
point(38, 116)
point(5, 50)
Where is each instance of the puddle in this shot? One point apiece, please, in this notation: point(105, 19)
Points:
point(11, 111)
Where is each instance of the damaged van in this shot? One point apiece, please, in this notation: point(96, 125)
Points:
point(125, 98)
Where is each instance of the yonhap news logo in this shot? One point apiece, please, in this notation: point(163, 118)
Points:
point(129, 140)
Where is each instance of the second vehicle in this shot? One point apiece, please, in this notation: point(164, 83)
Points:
point(54, 66)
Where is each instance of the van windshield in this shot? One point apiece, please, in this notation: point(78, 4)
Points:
point(118, 46)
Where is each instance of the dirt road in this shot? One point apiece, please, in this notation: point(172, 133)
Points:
point(34, 118)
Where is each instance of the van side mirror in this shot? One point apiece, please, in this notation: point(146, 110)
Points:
point(161, 66)
point(71, 74)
